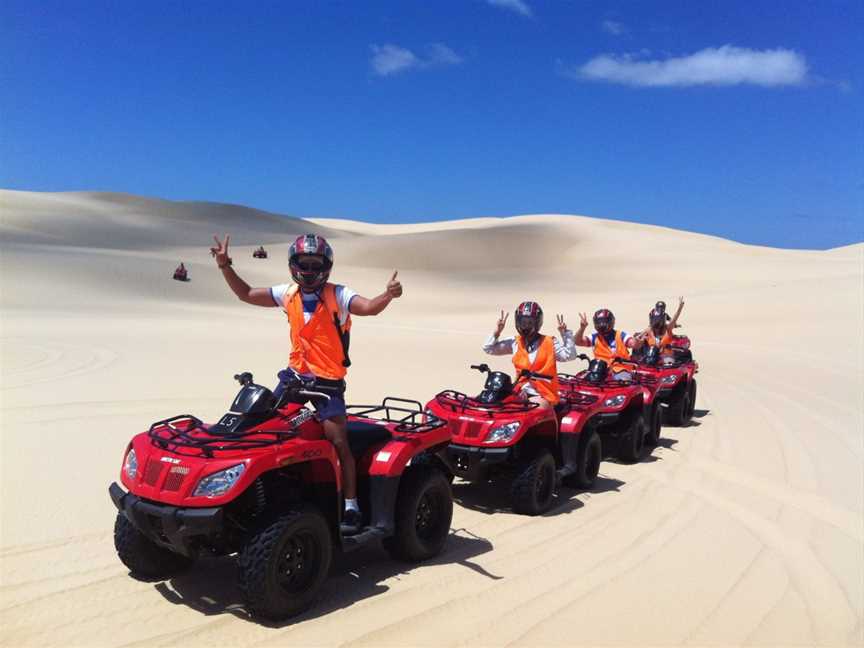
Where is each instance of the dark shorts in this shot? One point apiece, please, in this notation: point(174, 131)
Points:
point(325, 409)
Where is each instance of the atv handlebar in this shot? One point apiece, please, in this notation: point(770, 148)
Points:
point(481, 367)
point(533, 374)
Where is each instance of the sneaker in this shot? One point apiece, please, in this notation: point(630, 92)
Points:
point(351, 522)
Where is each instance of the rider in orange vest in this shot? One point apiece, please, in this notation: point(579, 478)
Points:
point(660, 330)
point(607, 343)
point(319, 318)
point(534, 352)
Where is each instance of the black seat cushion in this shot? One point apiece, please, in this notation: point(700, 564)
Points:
point(363, 435)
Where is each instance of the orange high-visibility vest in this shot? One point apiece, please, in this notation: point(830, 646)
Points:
point(544, 363)
point(316, 345)
point(602, 351)
point(665, 342)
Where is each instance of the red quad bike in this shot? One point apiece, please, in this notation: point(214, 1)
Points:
point(498, 435)
point(260, 253)
point(264, 483)
point(623, 413)
point(180, 274)
point(675, 379)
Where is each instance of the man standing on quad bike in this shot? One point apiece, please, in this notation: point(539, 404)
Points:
point(659, 332)
point(319, 318)
point(607, 343)
point(533, 352)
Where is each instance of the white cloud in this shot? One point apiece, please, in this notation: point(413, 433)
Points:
point(391, 59)
point(517, 6)
point(614, 28)
point(722, 66)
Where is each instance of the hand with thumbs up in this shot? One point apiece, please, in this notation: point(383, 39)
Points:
point(394, 286)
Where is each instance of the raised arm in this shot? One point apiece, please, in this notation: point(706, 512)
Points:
point(254, 296)
point(565, 350)
point(493, 345)
point(580, 338)
point(364, 306)
point(674, 322)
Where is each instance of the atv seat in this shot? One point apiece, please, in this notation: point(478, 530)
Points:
point(363, 435)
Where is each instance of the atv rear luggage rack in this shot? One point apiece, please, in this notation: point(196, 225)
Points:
point(166, 435)
point(457, 401)
point(408, 421)
point(582, 381)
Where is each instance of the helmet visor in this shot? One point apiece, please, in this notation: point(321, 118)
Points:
point(527, 325)
point(603, 324)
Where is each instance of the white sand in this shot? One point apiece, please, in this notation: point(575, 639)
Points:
point(745, 528)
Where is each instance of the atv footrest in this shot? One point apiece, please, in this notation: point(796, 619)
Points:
point(367, 535)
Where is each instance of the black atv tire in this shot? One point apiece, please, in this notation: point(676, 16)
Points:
point(655, 426)
point(534, 487)
point(678, 413)
point(424, 510)
point(632, 441)
point(692, 399)
point(283, 566)
point(145, 559)
point(588, 461)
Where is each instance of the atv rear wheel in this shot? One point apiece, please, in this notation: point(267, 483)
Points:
point(655, 424)
point(424, 509)
point(588, 460)
point(283, 566)
point(534, 488)
point(144, 558)
point(632, 441)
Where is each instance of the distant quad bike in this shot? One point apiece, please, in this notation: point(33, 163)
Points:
point(675, 380)
point(181, 274)
point(498, 435)
point(622, 412)
point(264, 483)
point(260, 253)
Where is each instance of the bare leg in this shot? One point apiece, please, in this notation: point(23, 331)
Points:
point(336, 431)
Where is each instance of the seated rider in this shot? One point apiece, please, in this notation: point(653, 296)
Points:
point(534, 352)
point(607, 343)
point(659, 332)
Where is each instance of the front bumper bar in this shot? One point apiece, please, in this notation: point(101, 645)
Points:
point(472, 462)
point(171, 527)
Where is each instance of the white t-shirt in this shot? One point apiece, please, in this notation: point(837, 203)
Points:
point(344, 295)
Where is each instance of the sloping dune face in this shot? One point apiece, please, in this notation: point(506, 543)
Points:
point(745, 527)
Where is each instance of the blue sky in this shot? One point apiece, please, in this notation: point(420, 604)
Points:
point(741, 119)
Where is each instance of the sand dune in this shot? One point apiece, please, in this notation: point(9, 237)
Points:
point(745, 528)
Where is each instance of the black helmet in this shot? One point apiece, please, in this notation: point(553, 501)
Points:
point(657, 319)
point(529, 319)
point(604, 321)
point(308, 275)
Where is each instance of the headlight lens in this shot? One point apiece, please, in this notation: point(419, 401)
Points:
point(130, 465)
point(502, 433)
point(219, 483)
point(615, 401)
point(668, 380)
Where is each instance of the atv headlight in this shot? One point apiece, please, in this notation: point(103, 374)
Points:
point(502, 433)
point(219, 483)
point(130, 465)
point(615, 401)
point(668, 380)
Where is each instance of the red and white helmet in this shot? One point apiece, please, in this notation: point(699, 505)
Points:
point(604, 321)
point(307, 274)
point(528, 319)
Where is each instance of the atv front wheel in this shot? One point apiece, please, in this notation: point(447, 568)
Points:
point(144, 558)
point(588, 460)
point(655, 424)
point(534, 488)
point(632, 441)
point(283, 567)
point(692, 399)
point(679, 412)
point(424, 509)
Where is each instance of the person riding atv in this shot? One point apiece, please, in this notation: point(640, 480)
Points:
point(533, 352)
point(607, 343)
point(660, 330)
point(319, 320)
point(180, 273)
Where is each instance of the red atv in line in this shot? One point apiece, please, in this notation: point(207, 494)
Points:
point(264, 483)
point(259, 253)
point(622, 412)
point(498, 435)
point(180, 273)
point(675, 378)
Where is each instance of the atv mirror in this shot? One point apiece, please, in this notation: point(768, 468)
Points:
point(244, 378)
point(481, 367)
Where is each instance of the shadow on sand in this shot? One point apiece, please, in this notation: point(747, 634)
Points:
point(210, 586)
point(494, 497)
